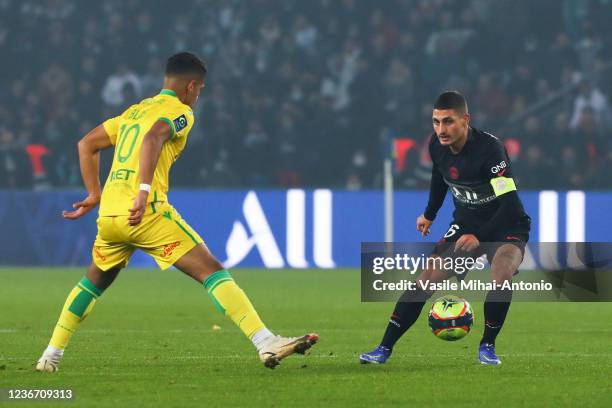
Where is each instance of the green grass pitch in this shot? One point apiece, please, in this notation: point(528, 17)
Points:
point(150, 342)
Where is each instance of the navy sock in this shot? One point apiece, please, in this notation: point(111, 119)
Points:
point(496, 308)
point(406, 312)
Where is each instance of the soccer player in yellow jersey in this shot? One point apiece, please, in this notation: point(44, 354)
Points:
point(135, 214)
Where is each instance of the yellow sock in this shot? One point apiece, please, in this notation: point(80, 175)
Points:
point(78, 305)
point(233, 302)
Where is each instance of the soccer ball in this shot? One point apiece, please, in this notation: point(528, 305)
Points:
point(451, 318)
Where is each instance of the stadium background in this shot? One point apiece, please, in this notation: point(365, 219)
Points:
point(304, 94)
point(283, 169)
point(303, 100)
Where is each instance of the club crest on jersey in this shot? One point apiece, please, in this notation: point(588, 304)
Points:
point(454, 172)
point(180, 123)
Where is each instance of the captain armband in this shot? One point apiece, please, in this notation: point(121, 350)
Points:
point(502, 185)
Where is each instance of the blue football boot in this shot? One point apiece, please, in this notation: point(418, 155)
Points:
point(377, 356)
point(486, 354)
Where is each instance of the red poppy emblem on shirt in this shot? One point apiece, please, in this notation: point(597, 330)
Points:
point(454, 173)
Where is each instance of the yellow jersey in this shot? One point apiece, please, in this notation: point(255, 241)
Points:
point(126, 133)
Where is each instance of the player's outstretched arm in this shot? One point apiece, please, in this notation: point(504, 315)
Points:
point(151, 148)
point(89, 158)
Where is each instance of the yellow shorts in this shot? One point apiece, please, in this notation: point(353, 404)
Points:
point(162, 234)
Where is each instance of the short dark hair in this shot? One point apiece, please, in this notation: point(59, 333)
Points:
point(185, 63)
point(451, 100)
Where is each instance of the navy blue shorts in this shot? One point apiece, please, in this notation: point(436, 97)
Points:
point(517, 235)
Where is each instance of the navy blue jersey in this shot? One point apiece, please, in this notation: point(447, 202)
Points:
point(478, 177)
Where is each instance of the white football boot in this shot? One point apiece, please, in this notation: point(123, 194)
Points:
point(276, 348)
point(49, 361)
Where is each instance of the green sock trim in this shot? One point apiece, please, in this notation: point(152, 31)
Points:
point(215, 277)
point(84, 289)
point(81, 302)
point(217, 304)
point(90, 287)
point(217, 283)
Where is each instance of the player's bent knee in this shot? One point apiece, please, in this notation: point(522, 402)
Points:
point(208, 263)
point(212, 267)
point(100, 278)
point(506, 261)
point(199, 263)
point(503, 272)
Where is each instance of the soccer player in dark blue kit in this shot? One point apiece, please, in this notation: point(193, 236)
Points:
point(474, 165)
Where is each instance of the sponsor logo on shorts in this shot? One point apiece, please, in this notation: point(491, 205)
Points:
point(169, 248)
point(99, 254)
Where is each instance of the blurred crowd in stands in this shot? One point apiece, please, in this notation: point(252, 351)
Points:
point(309, 93)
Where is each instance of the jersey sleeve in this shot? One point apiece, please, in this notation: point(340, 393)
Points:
point(111, 126)
point(438, 187)
point(180, 121)
point(437, 193)
point(497, 170)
